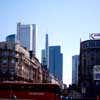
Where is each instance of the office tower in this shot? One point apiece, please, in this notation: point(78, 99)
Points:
point(75, 64)
point(26, 36)
point(11, 38)
point(56, 61)
point(47, 51)
point(43, 57)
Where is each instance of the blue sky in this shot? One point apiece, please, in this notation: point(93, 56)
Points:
point(65, 21)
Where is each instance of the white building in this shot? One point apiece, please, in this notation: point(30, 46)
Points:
point(26, 36)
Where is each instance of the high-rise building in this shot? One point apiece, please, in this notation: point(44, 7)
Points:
point(75, 64)
point(56, 61)
point(43, 57)
point(11, 38)
point(26, 36)
point(47, 51)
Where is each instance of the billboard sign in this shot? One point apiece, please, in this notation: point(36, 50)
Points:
point(96, 72)
point(94, 36)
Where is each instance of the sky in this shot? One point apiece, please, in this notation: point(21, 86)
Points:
point(65, 21)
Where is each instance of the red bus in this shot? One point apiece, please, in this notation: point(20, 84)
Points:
point(29, 91)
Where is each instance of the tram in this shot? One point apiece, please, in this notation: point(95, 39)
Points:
point(29, 91)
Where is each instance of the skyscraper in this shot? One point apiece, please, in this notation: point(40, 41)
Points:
point(11, 38)
point(75, 64)
point(47, 51)
point(26, 36)
point(56, 61)
point(43, 57)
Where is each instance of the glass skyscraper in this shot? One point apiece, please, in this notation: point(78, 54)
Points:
point(26, 36)
point(56, 61)
point(43, 57)
point(11, 38)
point(47, 51)
point(75, 64)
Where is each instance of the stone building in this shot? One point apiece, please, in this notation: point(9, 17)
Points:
point(16, 64)
point(45, 74)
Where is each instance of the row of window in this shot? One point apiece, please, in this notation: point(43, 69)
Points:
point(91, 44)
point(6, 53)
point(5, 61)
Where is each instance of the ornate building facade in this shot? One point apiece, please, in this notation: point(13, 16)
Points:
point(17, 65)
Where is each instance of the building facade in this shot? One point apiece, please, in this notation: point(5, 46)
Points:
point(89, 58)
point(75, 64)
point(11, 38)
point(56, 62)
point(47, 51)
point(45, 74)
point(26, 36)
point(43, 57)
point(16, 65)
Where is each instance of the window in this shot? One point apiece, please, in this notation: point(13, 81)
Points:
point(4, 61)
point(12, 61)
point(85, 45)
point(92, 43)
point(12, 78)
point(13, 53)
point(4, 53)
point(11, 68)
point(3, 69)
point(97, 43)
